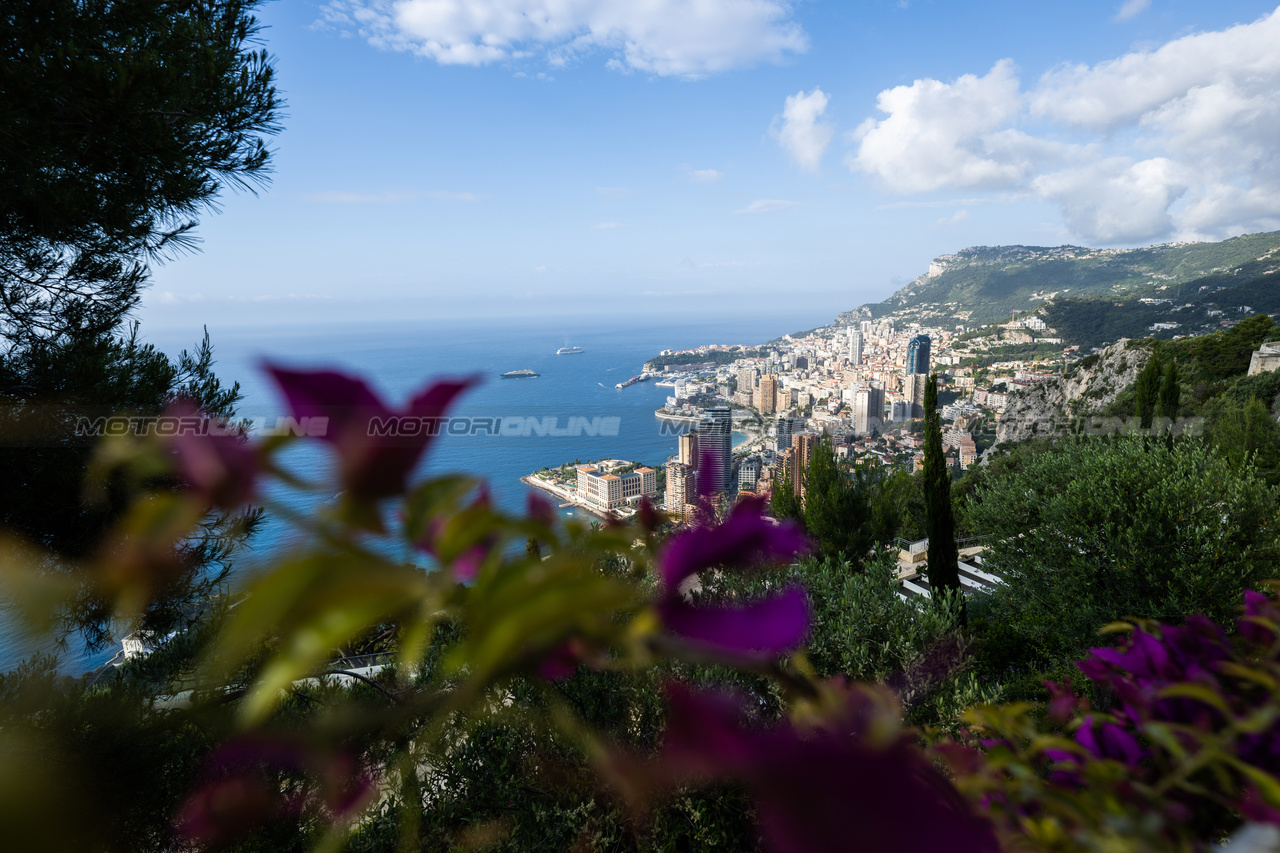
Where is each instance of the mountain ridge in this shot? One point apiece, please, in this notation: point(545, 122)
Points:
point(985, 284)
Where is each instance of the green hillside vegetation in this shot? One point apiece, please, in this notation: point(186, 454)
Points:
point(713, 357)
point(985, 284)
point(1096, 321)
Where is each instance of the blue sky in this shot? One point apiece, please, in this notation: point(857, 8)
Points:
point(526, 158)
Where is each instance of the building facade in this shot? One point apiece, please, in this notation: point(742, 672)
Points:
point(715, 442)
point(913, 392)
point(682, 487)
point(918, 355)
point(855, 346)
point(613, 491)
point(868, 410)
point(767, 394)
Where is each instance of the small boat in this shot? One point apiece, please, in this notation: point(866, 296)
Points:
point(520, 374)
point(568, 350)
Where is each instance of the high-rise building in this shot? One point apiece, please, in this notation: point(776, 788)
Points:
point(747, 379)
point(784, 428)
point(681, 487)
point(688, 450)
point(855, 346)
point(802, 447)
point(767, 396)
point(918, 354)
point(913, 392)
point(749, 473)
point(868, 410)
point(715, 442)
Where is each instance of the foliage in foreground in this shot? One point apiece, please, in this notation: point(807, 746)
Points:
point(619, 693)
point(1104, 528)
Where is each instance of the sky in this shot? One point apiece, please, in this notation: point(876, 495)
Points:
point(512, 159)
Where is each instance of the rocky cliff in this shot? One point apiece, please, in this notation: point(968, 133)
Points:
point(1051, 406)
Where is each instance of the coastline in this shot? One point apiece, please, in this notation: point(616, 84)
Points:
point(564, 496)
point(667, 416)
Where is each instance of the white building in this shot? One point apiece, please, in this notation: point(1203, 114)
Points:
point(613, 491)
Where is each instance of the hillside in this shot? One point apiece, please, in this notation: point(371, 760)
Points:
point(985, 284)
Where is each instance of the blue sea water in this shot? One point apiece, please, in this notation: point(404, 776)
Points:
point(398, 359)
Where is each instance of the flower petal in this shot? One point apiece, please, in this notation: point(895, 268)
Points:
point(769, 627)
point(745, 537)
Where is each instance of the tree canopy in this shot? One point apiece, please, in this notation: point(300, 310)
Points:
point(120, 122)
point(1102, 528)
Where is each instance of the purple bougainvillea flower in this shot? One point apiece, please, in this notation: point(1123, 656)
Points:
point(746, 537)
point(1108, 740)
point(1062, 701)
point(1261, 618)
point(819, 790)
point(240, 788)
point(769, 627)
point(214, 458)
point(561, 662)
point(377, 446)
point(1255, 808)
point(465, 561)
point(648, 515)
point(540, 509)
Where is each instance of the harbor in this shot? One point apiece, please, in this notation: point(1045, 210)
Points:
point(643, 377)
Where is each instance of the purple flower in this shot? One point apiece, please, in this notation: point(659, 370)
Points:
point(561, 662)
point(746, 537)
point(648, 515)
point(1062, 701)
point(377, 446)
point(819, 790)
point(539, 509)
point(769, 627)
point(1254, 807)
point(213, 458)
point(1261, 619)
point(1108, 740)
point(241, 788)
point(463, 541)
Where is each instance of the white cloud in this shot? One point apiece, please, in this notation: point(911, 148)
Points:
point(607, 225)
point(798, 130)
point(1173, 142)
point(768, 205)
point(663, 37)
point(705, 176)
point(443, 195)
point(388, 196)
point(384, 197)
point(956, 218)
point(1131, 9)
point(946, 135)
point(1121, 91)
point(1115, 200)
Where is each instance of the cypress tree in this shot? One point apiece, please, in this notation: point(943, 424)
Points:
point(1170, 391)
point(940, 524)
point(1147, 388)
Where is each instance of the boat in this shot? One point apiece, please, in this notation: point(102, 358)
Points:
point(568, 350)
point(520, 374)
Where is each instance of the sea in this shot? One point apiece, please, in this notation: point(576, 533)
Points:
point(573, 396)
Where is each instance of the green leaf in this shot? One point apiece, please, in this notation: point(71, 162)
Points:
point(1267, 784)
point(1199, 692)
